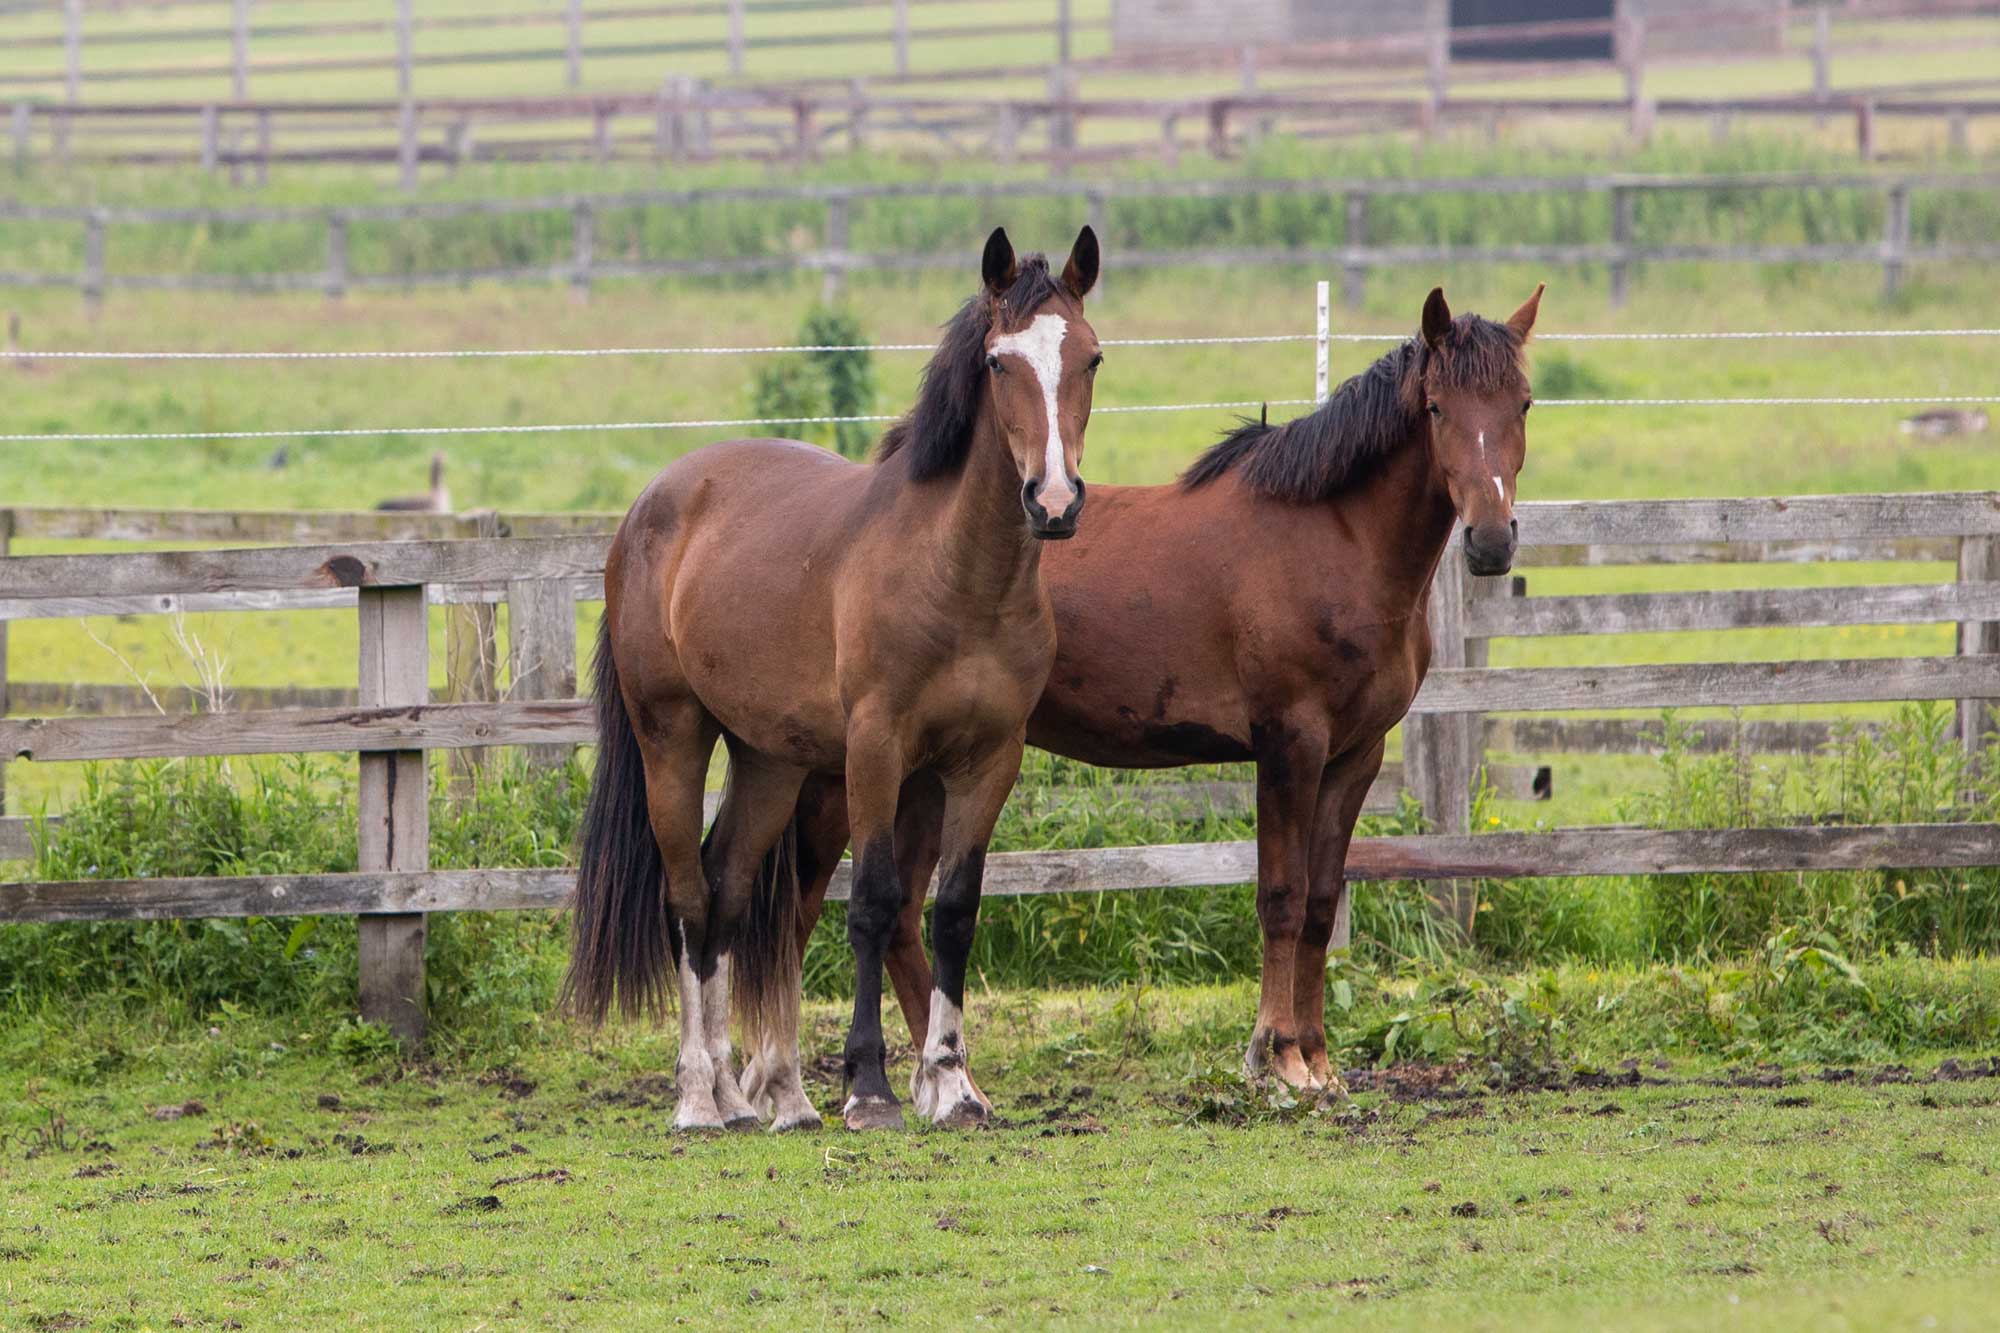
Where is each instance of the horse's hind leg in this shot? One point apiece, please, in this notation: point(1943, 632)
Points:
point(1342, 791)
point(757, 811)
point(942, 1087)
point(675, 740)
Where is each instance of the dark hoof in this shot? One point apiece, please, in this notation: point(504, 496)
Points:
point(742, 1124)
point(873, 1113)
point(968, 1114)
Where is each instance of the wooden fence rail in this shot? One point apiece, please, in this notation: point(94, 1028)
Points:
point(392, 723)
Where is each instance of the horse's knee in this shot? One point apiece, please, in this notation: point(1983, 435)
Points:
point(877, 899)
point(1316, 929)
point(1281, 910)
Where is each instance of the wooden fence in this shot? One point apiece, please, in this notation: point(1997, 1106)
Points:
point(1404, 81)
point(1362, 249)
point(393, 724)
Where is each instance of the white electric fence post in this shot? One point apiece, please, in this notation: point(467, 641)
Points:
point(1323, 342)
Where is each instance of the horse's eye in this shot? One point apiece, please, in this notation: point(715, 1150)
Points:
point(1096, 361)
point(993, 363)
point(1525, 406)
point(1434, 409)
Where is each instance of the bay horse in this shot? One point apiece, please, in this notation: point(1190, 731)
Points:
point(863, 626)
point(1270, 606)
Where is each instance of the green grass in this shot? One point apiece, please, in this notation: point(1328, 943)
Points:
point(301, 1187)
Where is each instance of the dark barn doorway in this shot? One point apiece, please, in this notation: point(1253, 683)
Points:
point(1495, 13)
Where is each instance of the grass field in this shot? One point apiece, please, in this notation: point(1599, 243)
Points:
point(249, 1176)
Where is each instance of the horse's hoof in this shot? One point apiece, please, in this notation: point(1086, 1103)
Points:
point(967, 1113)
point(803, 1121)
point(873, 1113)
point(742, 1123)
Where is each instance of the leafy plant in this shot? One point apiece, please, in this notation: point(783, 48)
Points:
point(830, 383)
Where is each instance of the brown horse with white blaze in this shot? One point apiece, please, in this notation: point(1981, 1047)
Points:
point(866, 626)
point(1270, 606)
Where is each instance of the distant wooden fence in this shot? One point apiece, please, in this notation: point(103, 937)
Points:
point(392, 583)
point(683, 117)
point(1362, 250)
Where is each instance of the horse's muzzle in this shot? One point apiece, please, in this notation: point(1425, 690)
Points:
point(1490, 550)
point(1060, 527)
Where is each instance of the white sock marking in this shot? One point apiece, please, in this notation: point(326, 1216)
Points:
point(1040, 345)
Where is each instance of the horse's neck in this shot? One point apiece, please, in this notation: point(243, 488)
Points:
point(984, 549)
point(1407, 493)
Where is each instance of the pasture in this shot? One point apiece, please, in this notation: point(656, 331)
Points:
point(248, 1175)
point(1649, 1101)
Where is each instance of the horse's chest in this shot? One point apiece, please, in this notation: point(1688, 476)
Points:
point(1372, 675)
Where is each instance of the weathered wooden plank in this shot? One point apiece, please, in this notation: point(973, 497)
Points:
point(44, 697)
point(1978, 570)
point(1708, 684)
point(1619, 735)
point(587, 589)
point(394, 807)
point(360, 565)
point(289, 526)
point(541, 651)
point(1747, 608)
point(1669, 552)
point(375, 730)
point(1565, 853)
point(17, 840)
point(1778, 518)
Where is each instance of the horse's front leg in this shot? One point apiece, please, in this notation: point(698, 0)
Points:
point(876, 767)
point(1289, 760)
point(942, 1085)
point(1342, 791)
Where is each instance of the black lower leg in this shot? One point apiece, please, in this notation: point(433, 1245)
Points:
point(954, 918)
point(871, 921)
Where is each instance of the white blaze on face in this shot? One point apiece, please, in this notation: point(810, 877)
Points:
point(1040, 345)
point(1498, 489)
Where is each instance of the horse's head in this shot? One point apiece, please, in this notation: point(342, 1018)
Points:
point(1475, 392)
point(1041, 360)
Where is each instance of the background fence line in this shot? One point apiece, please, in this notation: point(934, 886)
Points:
point(834, 258)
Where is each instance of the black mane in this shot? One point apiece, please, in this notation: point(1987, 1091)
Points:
point(937, 432)
point(1338, 444)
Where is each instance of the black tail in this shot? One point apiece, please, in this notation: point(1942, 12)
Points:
point(764, 964)
point(622, 944)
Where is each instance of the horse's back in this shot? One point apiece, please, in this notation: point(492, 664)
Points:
point(721, 582)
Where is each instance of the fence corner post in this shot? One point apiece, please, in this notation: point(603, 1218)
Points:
point(1438, 757)
point(541, 651)
point(395, 808)
point(1978, 562)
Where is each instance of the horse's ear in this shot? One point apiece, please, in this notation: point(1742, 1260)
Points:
point(997, 266)
point(1437, 317)
point(1080, 273)
point(1522, 321)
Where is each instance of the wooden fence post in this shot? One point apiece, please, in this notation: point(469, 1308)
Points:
point(72, 71)
point(1864, 129)
point(395, 807)
point(1978, 562)
point(336, 256)
point(471, 660)
point(6, 539)
point(1822, 54)
point(736, 42)
point(857, 115)
point(573, 47)
point(211, 137)
point(1062, 120)
point(834, 248)
point(541, 651)
point(583, 247)
point(239, 50)
point(1437, 751)
point(93, 260)
point(23, 126)
point(264, 146)
point(902, 38)
point(1621, 241)
point(406, 120)
point(1632, 60)
point(1354, 273)
point(1895, 239)
point(1437, 57)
